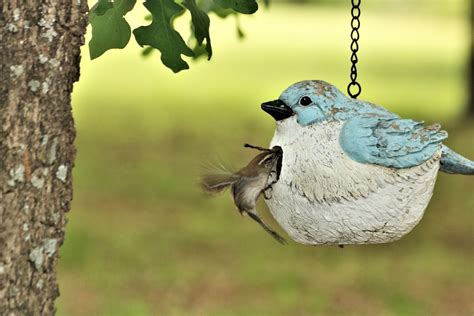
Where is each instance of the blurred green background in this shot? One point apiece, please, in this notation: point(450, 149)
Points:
point(143, 240)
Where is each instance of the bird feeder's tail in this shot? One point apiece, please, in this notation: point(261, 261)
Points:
point(452, 162)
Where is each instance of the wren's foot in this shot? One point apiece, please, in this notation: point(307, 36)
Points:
point(268, 193)
point(268, 190)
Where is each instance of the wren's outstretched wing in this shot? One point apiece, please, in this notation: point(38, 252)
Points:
point(390, 141)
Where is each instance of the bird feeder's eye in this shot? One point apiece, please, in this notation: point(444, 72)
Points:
point(304, 101)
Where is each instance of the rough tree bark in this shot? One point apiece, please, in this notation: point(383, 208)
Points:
point(470, 70)
point(39, 59)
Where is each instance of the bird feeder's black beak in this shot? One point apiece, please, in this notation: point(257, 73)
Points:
point(277, 109)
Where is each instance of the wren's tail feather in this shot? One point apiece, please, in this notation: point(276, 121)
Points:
point(217, 182)
point(272, 233)
point(452, 162)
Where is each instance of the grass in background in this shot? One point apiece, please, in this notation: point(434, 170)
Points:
point(142, 238)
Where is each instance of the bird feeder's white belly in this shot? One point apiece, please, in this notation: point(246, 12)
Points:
point(324, 197)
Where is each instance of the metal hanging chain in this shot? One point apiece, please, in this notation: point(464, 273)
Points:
point(354, 89)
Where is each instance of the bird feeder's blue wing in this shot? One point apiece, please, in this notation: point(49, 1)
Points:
point(390, 141)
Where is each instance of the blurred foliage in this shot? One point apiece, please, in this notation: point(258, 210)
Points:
point(111, 30)
point(143, 240)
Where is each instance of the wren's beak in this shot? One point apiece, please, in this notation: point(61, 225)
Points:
point(277, 109)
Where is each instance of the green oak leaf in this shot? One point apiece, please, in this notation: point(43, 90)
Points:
point(101, 7)
point(201, 23)
point(109, 27)
point(161, 35)
point(242, 6)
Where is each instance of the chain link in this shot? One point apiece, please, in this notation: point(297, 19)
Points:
point(354, 89)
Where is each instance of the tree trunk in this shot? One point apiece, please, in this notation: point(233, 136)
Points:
point(39, 58)
point(470, 105)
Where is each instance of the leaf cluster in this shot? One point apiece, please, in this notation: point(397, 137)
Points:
point(110, 29)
